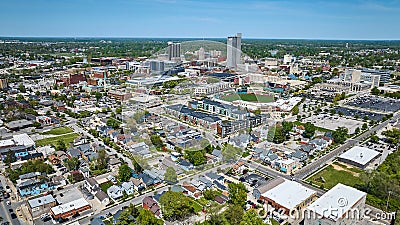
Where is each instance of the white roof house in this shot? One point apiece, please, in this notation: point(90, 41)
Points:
point(289, 194)
point(359, 156)
point(340, 199)
point(23, 139)
point(67, 207)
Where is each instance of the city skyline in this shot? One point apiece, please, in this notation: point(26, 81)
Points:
point(339, 20)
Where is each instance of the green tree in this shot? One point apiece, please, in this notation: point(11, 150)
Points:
point(61, 145)
point(340, 135)
point(118, 110)
point(37, 124)
point(101, 161)
point(237, 194)
point(364, 126)
point(375, 91)
point(357, 130)
point(393, 136)
point(124, 173)
point(234, 214)
point(176, 206)
point(72, 163)
point(10, 157)
point(21, 88)
point(170, 175)
point(113, 123)
point(156, 140)
point(251, 218)
point(147, 218)
point(309, 130)
point(98, 96)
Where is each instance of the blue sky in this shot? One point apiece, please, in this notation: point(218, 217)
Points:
point(308, 19)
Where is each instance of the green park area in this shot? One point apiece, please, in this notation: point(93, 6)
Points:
point(334, 174)
point(248, 98)
point(67, 139)
point(58, 131)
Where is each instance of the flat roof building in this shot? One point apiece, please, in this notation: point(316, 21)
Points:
point(288, 195)
point(41, 205)
point(359, 156)
point(69, 209)
point(340, 205)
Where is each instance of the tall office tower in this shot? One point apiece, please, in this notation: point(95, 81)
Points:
point(233, 51)
point(174, 50)
point(201, 53)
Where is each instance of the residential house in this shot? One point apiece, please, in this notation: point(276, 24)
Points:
point(147, 180)
point(240, 141)
point(138, 184)
point(309, 149)
point(286, 165)
point(150, 204)
point(192, 191)
point(84, 171)
point(207, 183)
point(97, 221)
point(74, 153)
point(319, 143)
point(141, 149)
point(102, 197)
point(128, 187)
point(114, 192)
point(217, 154)
point(169, 145)
point(299, 156)
point(185, 165)
point(91, 185)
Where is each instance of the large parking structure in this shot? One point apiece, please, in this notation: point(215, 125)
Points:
point(360, 113)
point(376, 103)
point(330, 122)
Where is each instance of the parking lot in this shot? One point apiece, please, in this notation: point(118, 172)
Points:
point(360, 113)
point(333, 122)
point(376, 103)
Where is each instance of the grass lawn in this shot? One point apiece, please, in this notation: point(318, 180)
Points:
point(67, 139)
point(105, 186)
point(196, 206)
point(333, 176)
point(248, 98)
point(59, 131)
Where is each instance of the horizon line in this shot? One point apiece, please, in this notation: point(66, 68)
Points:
point(204, 38)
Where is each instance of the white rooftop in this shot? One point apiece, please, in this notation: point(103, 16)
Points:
point(23, 139)
point(76, 204)
point(5, 143)
point(360, 155)
point(289, 194)
point(41, 201)
point(340, 199)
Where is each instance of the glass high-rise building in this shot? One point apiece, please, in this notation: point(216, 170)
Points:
point(174, 50)
point(233, 51)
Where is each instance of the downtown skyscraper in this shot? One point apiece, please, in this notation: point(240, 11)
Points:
point(174, 51)
point(233, 51)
